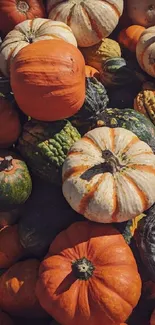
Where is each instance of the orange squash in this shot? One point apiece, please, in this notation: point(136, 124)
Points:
point(14, 12)
point(9, 123)
point(17, 290)
point(48, 80)
point(89, 276)
point(91, 72)
point(5, 319)
point(129, 36)
point(10, 248)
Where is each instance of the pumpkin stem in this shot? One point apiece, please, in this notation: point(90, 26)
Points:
point(82, 269)
point(6, 164)
point(111, 161)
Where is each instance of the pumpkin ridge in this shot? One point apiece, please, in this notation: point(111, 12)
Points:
point(91, 21)
point(55, 5)
point(70, 14)
point(133, 141)
point(112, 7)
point(92, 142)
point(141, 56)
point(74, 171)
point(147, 168)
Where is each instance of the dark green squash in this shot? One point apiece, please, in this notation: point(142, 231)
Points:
point(46, 213)
point(15, 180)
point(95, 102)
point(123, 96)
point(44, 146)
point(130, 120)
point(128, 228)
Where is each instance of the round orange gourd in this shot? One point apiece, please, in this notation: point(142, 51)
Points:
point(13, 12)
point(10, 248)
point(48, 80)
point(9, 123)
point(5, 319)
point(17, 290)
point(91, 72)
point(129, 37)
point(86, 276)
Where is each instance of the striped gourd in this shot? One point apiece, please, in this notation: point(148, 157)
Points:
point(109, 175)
point(89, 20)
point(30, 31)
point(145, 51)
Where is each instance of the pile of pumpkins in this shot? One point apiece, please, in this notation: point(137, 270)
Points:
point(77, 162)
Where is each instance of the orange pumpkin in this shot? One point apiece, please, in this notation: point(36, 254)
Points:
point(129, 37)
point(14, 12)
point(91, 72)
point(10, 248)
point(48, 80)
point(5, 319)
point(17, 290)
point(9, 123)
point(89, 276)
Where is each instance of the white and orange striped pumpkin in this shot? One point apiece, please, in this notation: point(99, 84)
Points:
point(90, 20)
point(31, 31)
point(145, 51)
point(109, 175)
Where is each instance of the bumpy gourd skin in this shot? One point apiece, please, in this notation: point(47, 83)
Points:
point(45, 145)
point(145, 103)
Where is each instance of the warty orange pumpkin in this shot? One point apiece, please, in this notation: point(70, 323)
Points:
point(89, 276)
point(109, 175)
point(13, 12)
point(129, 36)
point(48, 80)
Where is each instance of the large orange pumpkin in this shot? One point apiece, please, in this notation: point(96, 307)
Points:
point(9, 123)
point(5, 319)
point(129, 37)
point(89, 276)
point(17, 290)
point(13, 12)
point(48, 80)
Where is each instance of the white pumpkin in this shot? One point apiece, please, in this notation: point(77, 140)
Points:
point(142, 12)
point(145, 51)
point(90, 20)
point(30, 31)
point(109, 175)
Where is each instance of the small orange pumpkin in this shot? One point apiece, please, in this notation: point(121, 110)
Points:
point(48, 80)
point(5, 319)
point(91, 72)
point(10, 248)
point(129, 36)
point(9, 123)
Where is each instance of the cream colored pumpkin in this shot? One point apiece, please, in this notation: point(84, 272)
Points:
point(142, 12)
point(90, 20)
point(109, 175)
point(30, 31)
point(145, 51)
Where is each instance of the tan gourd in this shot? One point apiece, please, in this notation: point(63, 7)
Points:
point(145, 51)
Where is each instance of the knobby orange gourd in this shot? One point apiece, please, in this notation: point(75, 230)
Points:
point(129, 37)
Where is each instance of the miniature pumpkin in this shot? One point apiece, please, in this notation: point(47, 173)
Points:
point(144, 103)
point(48, 91)
point(30, 31)
point(91, 72)
point(129, 36)
point(17, 290)
point(97, 54)
point(109, 175)
point(145, 51)
point(142, 12)
point(86, 274)
point(17, 11)
point(9, 123)
point(5, 319)
point(15, 180)
point(44, 146)
point(89, 24)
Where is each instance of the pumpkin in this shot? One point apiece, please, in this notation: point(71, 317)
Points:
point(144, 103)
point(59, 87)
point(152, 319)
point(142, 12)
point(17, 11)
point(15, 180)
point(45, 214)
point(96, 101)
point(10, 248)
point(89, 260)
point(129, 36)
point(5, 319)
point(44, 146)
point(109, 175)
point(9, 123)
point(95, 55)
point(88, 25)
point(91, 72)
point(30, 31)
point(17, 290)
point(145, 51)
point(128, 119)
